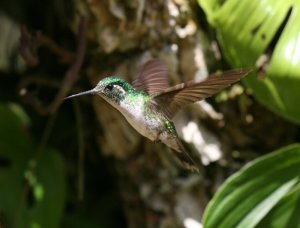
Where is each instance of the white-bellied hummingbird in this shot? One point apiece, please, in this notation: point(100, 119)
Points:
point(149, 104)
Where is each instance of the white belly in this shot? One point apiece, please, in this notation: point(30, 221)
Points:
point(145, 123)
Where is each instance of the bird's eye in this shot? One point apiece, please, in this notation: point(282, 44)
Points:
point(109, 87)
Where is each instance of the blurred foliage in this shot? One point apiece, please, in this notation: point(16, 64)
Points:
point(39, 187)
point(265, 193)
point(34, 191)
point(265, 33)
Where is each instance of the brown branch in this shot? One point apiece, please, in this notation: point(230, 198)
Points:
point(28, 47)
point(29, 44)
point(38, 80)
point(72, 74)
point(30, 97)
point(65, 56)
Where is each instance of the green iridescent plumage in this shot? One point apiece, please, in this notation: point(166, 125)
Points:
point(170, 126)
point(117, 92)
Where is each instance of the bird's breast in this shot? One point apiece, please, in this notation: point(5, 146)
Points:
point(143, 118)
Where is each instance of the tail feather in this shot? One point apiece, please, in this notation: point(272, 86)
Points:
point(185, 158)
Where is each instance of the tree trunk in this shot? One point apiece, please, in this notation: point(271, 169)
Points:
point(155, 190)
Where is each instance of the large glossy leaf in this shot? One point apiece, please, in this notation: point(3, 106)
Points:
point(41, 203)
point(249, 28)
point(285, 213)
point(266, 188)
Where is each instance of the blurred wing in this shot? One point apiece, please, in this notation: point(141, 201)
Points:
point(172, 99)
point(153, 77)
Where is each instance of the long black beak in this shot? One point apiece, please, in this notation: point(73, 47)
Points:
point(92, 91)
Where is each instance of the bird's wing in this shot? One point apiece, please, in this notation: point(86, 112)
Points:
point(153, 77)
point(172, 99)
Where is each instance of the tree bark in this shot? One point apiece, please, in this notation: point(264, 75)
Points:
point(155, 190)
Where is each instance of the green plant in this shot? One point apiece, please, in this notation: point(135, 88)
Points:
point(249, 29)
point(265, 193)
point(32, 192)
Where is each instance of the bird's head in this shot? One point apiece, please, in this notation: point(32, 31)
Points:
point(112, 89)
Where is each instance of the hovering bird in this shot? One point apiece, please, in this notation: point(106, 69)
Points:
point(149, 104)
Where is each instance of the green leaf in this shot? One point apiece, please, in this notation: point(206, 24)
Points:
point(285, 213)
point(257, 192)
point(246, 29)
point(41, 203)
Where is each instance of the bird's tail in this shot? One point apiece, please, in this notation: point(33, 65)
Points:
point(185, 158)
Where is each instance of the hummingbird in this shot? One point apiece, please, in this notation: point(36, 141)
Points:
point(149, 104)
